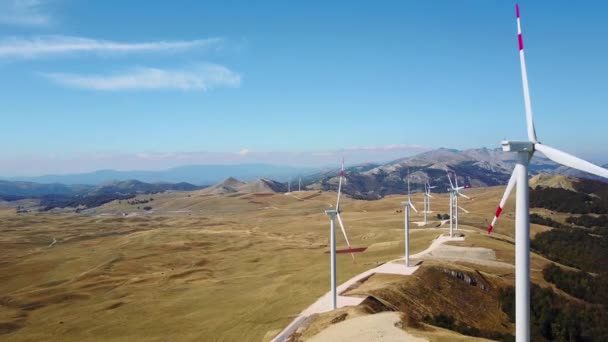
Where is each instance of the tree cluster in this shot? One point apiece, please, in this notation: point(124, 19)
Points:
point(579, 284)
point(49, 202)
point(546, 221)
point(554, 319)
point(589, 221)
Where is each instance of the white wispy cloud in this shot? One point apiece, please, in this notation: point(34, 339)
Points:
point(199, 77)
point(24, 13)
point(38, 46)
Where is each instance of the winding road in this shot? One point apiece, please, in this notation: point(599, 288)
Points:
point(323, 304)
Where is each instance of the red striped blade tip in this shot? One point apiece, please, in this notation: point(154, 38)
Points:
point(521, 42)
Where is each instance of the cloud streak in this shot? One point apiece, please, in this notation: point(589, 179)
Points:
point(201, 77)
point(39, 46)
point(23, 13)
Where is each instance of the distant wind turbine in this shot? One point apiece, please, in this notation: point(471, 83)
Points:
point(406, 209)
point(454, 207)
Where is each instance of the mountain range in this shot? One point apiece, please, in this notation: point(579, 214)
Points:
point(15, 190)
point(473, 167)
point(194, 174)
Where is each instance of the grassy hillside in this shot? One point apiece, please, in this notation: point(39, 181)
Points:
point(239, 266)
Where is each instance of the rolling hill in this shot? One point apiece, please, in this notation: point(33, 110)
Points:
point(51, 196)
point(231, 185)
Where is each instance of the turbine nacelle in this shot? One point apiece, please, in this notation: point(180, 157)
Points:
point(517, 146)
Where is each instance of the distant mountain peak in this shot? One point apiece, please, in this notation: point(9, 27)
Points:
point(231, 181)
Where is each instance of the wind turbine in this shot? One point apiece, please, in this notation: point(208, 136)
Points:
point(333, 214)
point(454, 194)
point(406, 209)
point(338, 209)
point(525, 150)
point(300, 184)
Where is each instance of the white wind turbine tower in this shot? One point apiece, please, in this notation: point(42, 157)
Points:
point(525, 150)
point(454, 194)
point(332, 238)
point(289, 185)
point(300, 184)
point(406, 209)
point(427, 199)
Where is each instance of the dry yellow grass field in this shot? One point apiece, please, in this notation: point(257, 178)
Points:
point(201, 267)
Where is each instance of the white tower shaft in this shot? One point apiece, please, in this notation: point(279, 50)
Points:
point(407, 235)
point(522, 251)
point(332, 244)
point(426, 206)
point(451, 214)
point(456, 209)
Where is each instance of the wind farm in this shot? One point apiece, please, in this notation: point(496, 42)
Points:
point(151, 194)
point(240, 254)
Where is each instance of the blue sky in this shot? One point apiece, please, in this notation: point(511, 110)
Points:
point(141, 84)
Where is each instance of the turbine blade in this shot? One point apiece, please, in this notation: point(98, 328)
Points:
point(570, 160)
point(524, 81)
point(408, 184)
point(412, 205)
point(429, 195)
point(450, 179)
point(342, 228)
point(456, 179)
point(463, 209)
point(344, 233)
point(340, 185)
point(339, 191)
point(505, 196)
point(463, 195)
